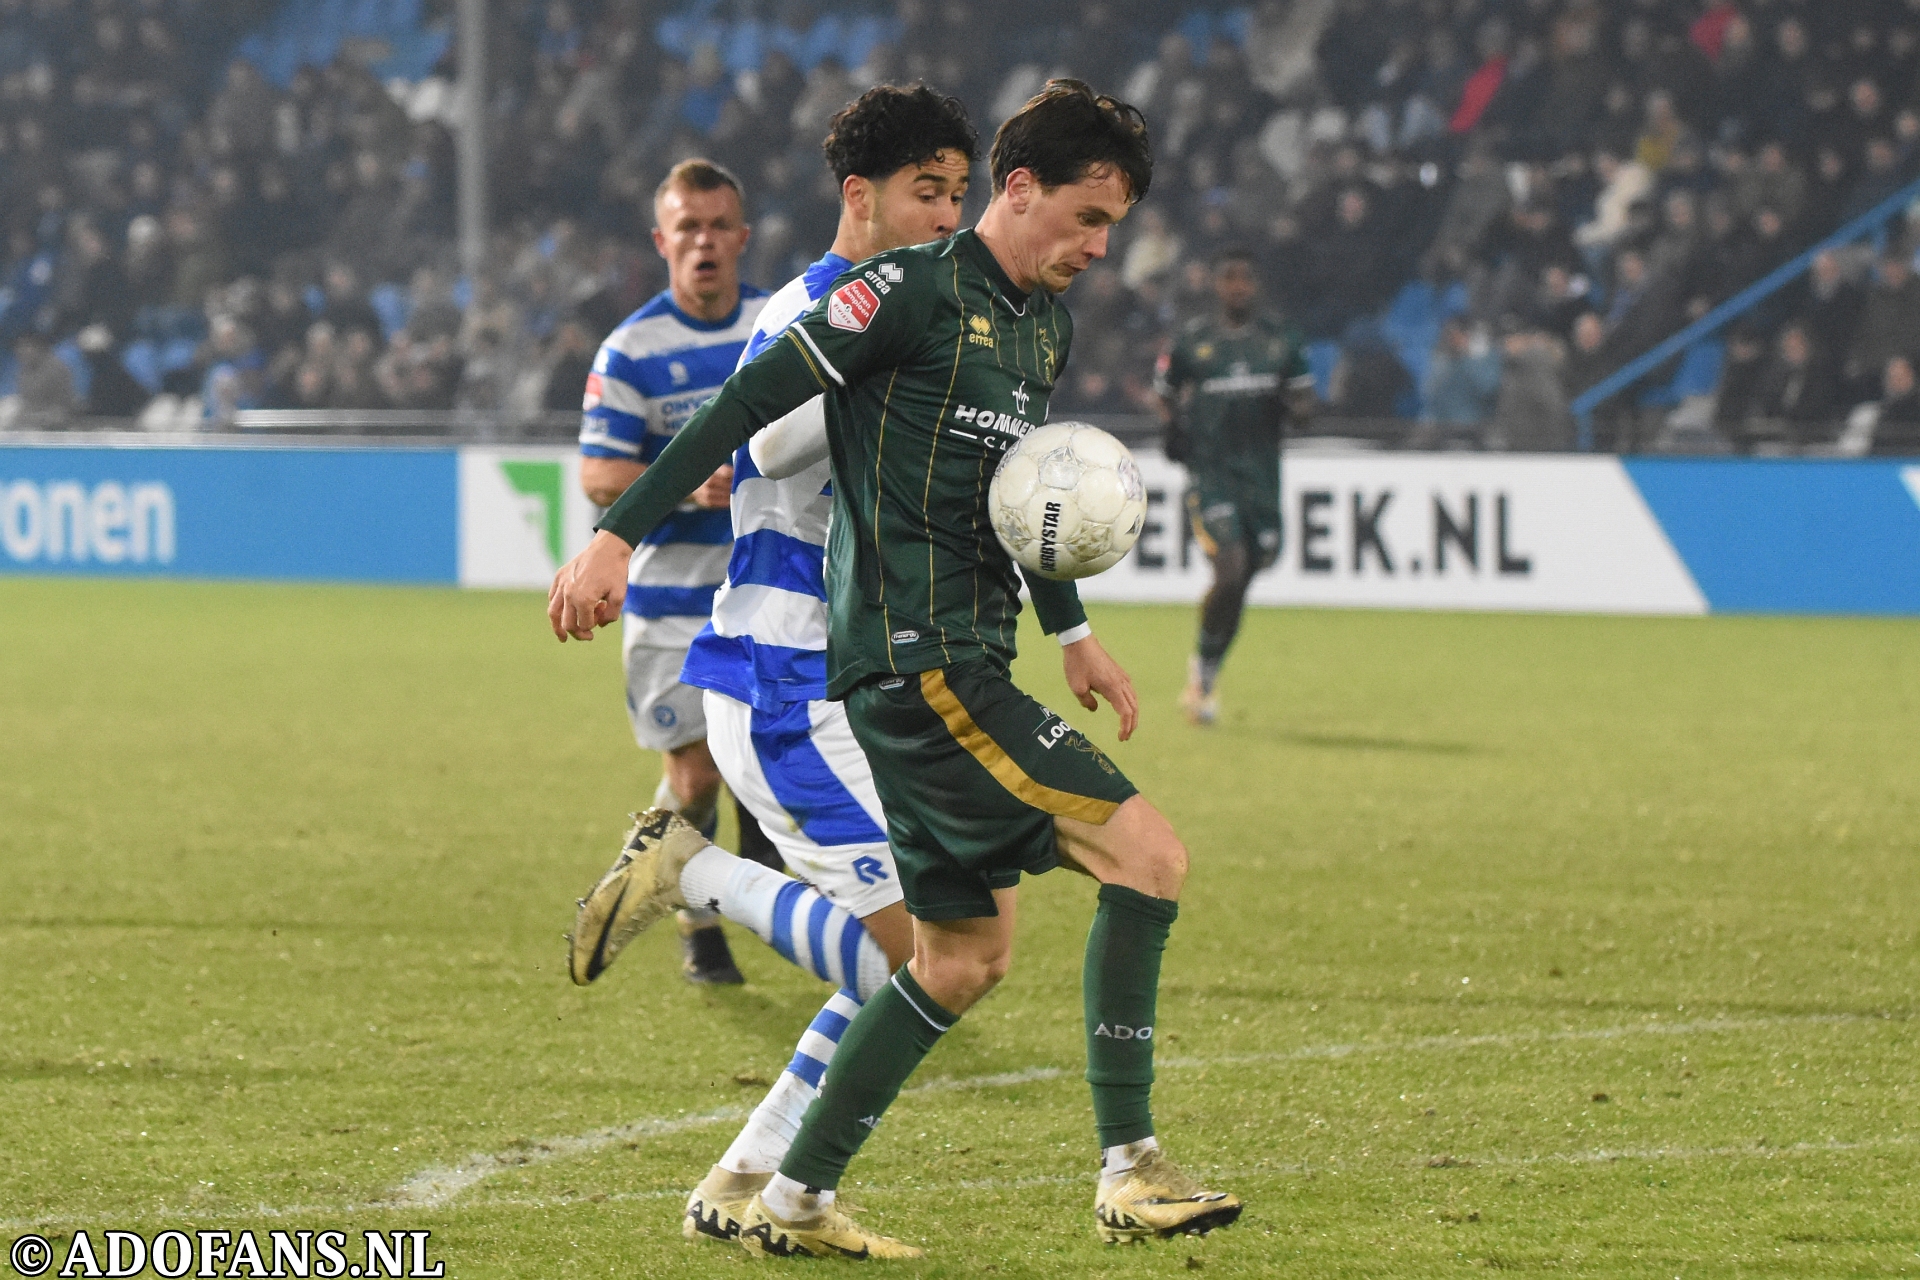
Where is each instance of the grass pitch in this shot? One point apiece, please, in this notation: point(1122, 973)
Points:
point(1539, 944)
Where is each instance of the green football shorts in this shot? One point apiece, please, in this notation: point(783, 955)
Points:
point(1226, 509)
point(972, 773)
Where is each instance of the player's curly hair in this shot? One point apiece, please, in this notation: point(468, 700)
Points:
point(890, 127)
point(1066, 133)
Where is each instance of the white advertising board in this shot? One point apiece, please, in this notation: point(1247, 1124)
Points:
point(1386, 530)
point(1429, 531)
point(522, 515)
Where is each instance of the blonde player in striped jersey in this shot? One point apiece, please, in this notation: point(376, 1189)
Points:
point(661, 364)
point(902, 157)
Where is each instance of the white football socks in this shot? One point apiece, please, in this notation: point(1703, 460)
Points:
point(788, 915)
point(706, 818)
point(790, 1201)
point(770, 1130)
point(1116, 1161)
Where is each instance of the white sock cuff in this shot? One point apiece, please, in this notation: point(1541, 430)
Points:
point(703, 881)
point(749, 895)
point(1115, 1161)
point(790, 1201)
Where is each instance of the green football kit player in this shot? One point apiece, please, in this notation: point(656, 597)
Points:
point(1227, 387)
point(933, 361)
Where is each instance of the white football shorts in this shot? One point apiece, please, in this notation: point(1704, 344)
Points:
point(800, 772)
point(666, 714)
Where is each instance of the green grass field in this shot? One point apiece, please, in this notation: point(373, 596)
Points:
point(1581, 945)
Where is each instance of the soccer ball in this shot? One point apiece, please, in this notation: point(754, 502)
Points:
point(1067, 501)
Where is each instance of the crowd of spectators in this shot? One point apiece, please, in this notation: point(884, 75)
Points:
point(1474, 209)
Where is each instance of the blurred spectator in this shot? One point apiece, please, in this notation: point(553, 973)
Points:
point(1896, 425)
point(1530, 161)
point(1531, 412)
point(42, 382)
point(569, 361)
point(1462, 385)
point(1889, 324)
point(111, 390)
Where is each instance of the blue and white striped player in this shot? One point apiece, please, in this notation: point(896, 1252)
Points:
point(902, 158)
point(649, 376)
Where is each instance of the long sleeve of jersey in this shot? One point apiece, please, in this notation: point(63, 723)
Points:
point(1056, 604)
point(768, 387)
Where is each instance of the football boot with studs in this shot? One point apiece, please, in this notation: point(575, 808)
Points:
point(1154, 1198)
point(828, 1234)
point(705, 957)
point(716, 1206)
point(642, 886)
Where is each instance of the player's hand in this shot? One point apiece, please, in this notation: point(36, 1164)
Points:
point(717, 493)
point(1091, 670)
point(589, 589)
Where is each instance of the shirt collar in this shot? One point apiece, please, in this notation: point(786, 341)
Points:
point(823, 273)
point(970, 244)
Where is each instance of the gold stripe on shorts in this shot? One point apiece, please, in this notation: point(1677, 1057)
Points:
point(1006, 771)
point(1208, 547)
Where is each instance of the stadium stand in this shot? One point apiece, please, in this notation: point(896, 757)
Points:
point(1475, 209)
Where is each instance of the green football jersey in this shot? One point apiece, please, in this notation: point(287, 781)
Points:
point(1240, 379)
point(932, 364)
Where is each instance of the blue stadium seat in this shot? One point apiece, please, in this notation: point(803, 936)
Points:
point(141, 360)
point(1321, 357)
point(76, 362)
point(1698, 375)
point(391, 303)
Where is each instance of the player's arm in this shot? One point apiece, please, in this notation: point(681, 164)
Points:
point(1170, 378)
point(1089, 669)
point(1299, 398)
point(613, 431)
point(814, 354)
point(588, 590)
point(605, 479)
point(794, 443)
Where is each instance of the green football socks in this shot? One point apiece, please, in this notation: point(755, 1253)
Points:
point(1120, 986)
point(885, 1042)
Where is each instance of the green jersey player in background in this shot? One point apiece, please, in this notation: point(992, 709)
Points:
point(932, 361)
point(1227, 387)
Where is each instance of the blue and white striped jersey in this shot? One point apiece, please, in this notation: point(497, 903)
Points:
point(767, 643)
point(648, 378)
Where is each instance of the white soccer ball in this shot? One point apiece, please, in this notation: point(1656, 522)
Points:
point(1067, 501)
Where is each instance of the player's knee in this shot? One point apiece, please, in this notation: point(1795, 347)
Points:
point(1167, 857)
point(692, 773)
point(959, 980)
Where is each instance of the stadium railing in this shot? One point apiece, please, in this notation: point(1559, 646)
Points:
point(1867, 224)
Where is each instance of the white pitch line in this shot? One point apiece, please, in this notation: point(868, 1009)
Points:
point(437, 1186)
point(1599, 1156)
point(433, 1187)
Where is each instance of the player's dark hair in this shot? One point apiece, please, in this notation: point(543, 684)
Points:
point(1233, 253)
point(698, 175)
point(1066, 133)
point(888, 128)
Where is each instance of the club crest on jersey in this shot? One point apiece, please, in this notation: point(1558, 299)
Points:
point(851, 306)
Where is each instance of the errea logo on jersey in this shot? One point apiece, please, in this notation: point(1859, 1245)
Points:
point(851, 306)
